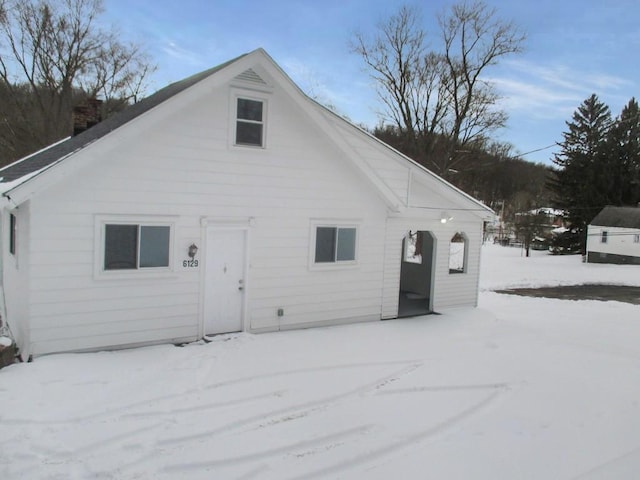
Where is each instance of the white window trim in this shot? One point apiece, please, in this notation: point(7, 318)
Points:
point(345, 223)
point(139, 273)
point(233, 115)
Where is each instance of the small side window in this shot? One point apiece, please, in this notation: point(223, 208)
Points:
point(335, 244)
point(13, 228)
point(132, 247)
point(604, 236)
point(636, 238)
point(457, 253)
point(250, 122)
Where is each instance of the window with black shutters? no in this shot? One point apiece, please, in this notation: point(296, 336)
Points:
point(250, 122)
point(131, 246)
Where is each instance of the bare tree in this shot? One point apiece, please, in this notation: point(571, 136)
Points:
point(439, 99)
point(56, 50)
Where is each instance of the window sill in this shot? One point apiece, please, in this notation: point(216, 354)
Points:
point(249, 145)
point(328, 266)
point(163, 274)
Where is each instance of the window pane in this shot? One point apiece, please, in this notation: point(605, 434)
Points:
point(249, 110)
point(249, 133)
point(346, 244)
point(120, 247)
point(154, 246)
point(12, 233)
point(325, 244)
point(457, 252)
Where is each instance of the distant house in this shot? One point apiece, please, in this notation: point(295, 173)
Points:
point(228, 201)
point(614, 236)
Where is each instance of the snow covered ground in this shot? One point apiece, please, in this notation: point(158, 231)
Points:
point(519, 388)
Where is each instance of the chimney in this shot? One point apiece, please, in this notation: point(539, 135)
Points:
point(86, 115)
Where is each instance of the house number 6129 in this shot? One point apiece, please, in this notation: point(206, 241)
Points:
point(190, 263)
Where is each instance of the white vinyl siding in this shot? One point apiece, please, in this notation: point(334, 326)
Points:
point(183, 168)
point(178, 165)
point(619, 240)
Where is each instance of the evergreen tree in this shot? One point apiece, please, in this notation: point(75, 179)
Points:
point(578, 182)
point(623, 153)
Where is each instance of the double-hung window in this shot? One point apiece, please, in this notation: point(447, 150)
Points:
point(136, 246)
point(335, 244)
point(604, 235)
point(250, 122)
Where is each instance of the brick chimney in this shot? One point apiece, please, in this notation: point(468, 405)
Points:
point(86, 115)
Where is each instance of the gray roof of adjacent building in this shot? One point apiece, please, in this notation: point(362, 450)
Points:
point(624, 217)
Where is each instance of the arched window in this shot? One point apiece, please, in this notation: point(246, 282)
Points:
point(458, 253)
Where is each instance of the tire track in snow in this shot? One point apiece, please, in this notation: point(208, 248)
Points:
point(205, 406)
point(390, 449)
point(295, 411)
point(328, 441)
point(600, 471)
point(185, 393)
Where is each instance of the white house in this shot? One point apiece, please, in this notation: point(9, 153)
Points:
point(614, 236)
point(228, 201)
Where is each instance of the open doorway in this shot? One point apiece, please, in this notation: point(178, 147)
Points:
point(416, 274)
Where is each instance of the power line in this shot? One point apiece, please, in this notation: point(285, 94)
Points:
point(538, 149)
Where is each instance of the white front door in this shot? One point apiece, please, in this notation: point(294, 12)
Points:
point(224, 280)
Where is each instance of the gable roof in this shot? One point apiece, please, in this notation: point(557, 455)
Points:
point(626, 217)
point(59, 150)
point(15, 179)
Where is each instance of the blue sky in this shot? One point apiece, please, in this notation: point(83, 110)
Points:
point(574, 48)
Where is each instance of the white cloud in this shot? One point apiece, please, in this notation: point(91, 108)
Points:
point(554, 91)
point(181, 54)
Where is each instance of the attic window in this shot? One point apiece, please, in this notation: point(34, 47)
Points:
point(250, 122)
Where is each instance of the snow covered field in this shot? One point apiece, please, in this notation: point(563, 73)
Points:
point(520, 388)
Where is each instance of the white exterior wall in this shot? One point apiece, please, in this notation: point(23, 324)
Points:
point(179, 162)
point(620, 241)
point(15, 272)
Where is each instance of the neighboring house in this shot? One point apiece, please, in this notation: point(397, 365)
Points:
point(228, 201)
point(614, 236)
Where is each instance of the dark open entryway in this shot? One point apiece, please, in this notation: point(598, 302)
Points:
point(416, 274)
